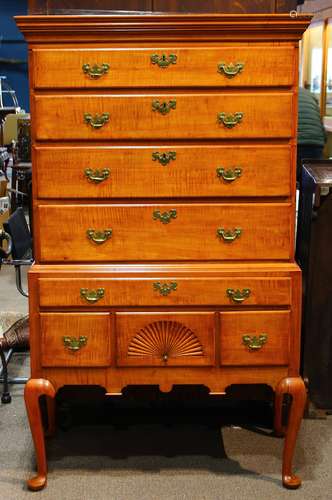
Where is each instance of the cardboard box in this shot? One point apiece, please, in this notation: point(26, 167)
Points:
point(3, 188)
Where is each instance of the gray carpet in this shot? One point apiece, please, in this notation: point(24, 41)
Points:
point(155, 462)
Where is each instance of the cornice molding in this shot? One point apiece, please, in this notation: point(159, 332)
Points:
point(156, 26)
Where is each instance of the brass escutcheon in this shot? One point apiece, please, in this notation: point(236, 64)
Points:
point(238, 296)
point(230, 120)
point(97, 121)
point(74, 344)
point(229, 175)
point(164, 217)
point(253, 342)
point(229, 235)
point(96, 70)
point(230, 70)
point(163, 107)
point(99, 237)
point(165, 288)
point(97, 176)
point(164, 158)
point(163, 61)
point(92, 295)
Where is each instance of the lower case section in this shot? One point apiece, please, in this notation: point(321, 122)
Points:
point(199, 324)
point(292, 386)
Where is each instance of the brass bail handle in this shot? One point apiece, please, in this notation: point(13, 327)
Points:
point(230, 70)
point(96, 121)
point(230, 174)
point(163, 60)
point(254, 342)
point(237, 295)
point(163, 107)
point(92, 296)
point(74, 344)
point(97, 176)
point(99, 237)
point(95, 71)
point(165, 217)
point(229, 235)
point(165, 288)
point(230, 120)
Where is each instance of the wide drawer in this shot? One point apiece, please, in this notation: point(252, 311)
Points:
point(91, 233)
point(164, 116)
point(166, 171)
point(163, 67)
point(71, 339)
point(165, 339)
point(164, 291)
point(254, 338)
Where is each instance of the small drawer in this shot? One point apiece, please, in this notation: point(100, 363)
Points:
point(164, 116)
point(168, 171)
point(75, 340)
point(182, 232)
point(163, 67)
point(164, 291)
point(165, 339)
point(257, 338)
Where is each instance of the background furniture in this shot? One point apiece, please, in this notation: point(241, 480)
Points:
point(164, 245)
point(313, 253)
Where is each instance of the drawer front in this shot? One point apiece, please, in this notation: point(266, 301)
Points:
point(254, 338)
point(163, 67)
point(167, 171)
point(164, 291)
point(91, 233)
point(71, 339)
point(164, 116)
point(165, 339)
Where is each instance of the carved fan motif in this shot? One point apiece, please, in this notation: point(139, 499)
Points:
point(165, 339)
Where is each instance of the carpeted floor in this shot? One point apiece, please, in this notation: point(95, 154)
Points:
point(153, 454)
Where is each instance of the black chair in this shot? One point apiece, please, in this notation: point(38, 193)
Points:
point(19, 247)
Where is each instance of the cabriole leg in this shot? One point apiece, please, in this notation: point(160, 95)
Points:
point(296, 388)
point(32, 392)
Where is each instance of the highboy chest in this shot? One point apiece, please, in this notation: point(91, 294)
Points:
point(164, 207)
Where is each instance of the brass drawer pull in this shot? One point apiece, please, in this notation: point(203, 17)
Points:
point(163, 61)
point(96, 70)
point(237, 295)
point(92, 296)
point(99, 237)
point(229, 175)
point(164, 217)
point(164, 158)
point(253, 342)
point(230, 120)
point(229, 235)
point(163, 107)
point(96, 121)
point(74, 344)
point(97, 176)
point(165, 288)
point(230, 70)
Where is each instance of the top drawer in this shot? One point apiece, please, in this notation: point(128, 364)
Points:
point(163, 67)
